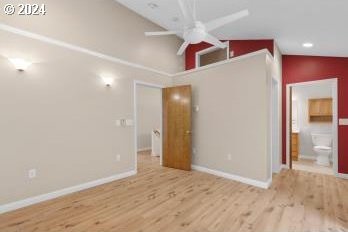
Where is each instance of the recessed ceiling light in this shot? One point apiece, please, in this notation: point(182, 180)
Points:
point(307, 45)
point(152, 5)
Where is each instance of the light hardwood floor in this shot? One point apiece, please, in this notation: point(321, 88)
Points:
point(311, 166)
point(163, 199)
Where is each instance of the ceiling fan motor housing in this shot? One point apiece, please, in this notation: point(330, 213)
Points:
point(196, 34)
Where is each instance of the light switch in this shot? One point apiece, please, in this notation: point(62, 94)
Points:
point(118, 122)
point(124, 122)
point(129, 122)
point(343, 122)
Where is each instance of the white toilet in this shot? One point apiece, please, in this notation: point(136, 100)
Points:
point(323, 148)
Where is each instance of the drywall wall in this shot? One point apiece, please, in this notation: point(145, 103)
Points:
point(302, 94)
point(105, 26)
point(233, 116)
point(149, 113)
point(59, 118)
point(310, 68)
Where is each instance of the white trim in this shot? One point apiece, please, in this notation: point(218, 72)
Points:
point(334, 83)
point(257, 183)
point(342, 175)
point(144, 149)
point(284, 166)
point(343, 121)
point(274, 122)
point(48, 196)
point(73, 47)
point(208, 50)
point(135, 83)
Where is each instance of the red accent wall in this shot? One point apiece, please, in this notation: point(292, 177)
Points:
point(239, 47)
point(309, 68)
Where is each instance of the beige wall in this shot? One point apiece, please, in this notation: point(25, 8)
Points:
point(149, 113)
point(233, 118)
point(59, 118)
point(104, 26)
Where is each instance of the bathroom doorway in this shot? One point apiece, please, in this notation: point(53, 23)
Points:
point(312, 126)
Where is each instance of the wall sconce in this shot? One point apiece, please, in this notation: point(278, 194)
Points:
point(20, 64)
point(108, 81)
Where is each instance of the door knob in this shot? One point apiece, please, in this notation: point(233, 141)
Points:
point(188, 132)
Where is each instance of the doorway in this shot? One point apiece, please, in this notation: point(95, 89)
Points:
point(162, 131)
point(312, 126)
point(148, 124)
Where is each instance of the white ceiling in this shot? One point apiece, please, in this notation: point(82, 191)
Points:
point(290, 22)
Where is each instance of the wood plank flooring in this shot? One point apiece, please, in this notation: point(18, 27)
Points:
point(163, 199)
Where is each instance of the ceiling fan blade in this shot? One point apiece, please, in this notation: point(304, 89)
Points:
point(216, 23)
point(187, 13)
point(214, 41)
point(158, 33)
point(183, 48)
point(194, 11)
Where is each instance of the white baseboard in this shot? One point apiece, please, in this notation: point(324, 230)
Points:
point(284, 166)
point(244, 180)
point(144, 149)
point(48, 196)
point(342, 175)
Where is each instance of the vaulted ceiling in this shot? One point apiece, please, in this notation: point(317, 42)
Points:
point(291, 23)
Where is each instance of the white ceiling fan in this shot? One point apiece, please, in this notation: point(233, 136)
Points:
point(195, 31)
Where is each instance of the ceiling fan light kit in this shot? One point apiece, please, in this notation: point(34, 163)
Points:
point(194, 31)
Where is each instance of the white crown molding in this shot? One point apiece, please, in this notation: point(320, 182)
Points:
point(256, 183)
point(48, 196)
point(76, 48)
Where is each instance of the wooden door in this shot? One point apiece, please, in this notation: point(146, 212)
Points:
point(177, 127)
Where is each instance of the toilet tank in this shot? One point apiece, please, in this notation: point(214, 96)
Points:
point(322, 140)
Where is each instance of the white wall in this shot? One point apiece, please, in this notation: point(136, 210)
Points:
point(233, 118)
point(301, 94)
point(148, 114)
